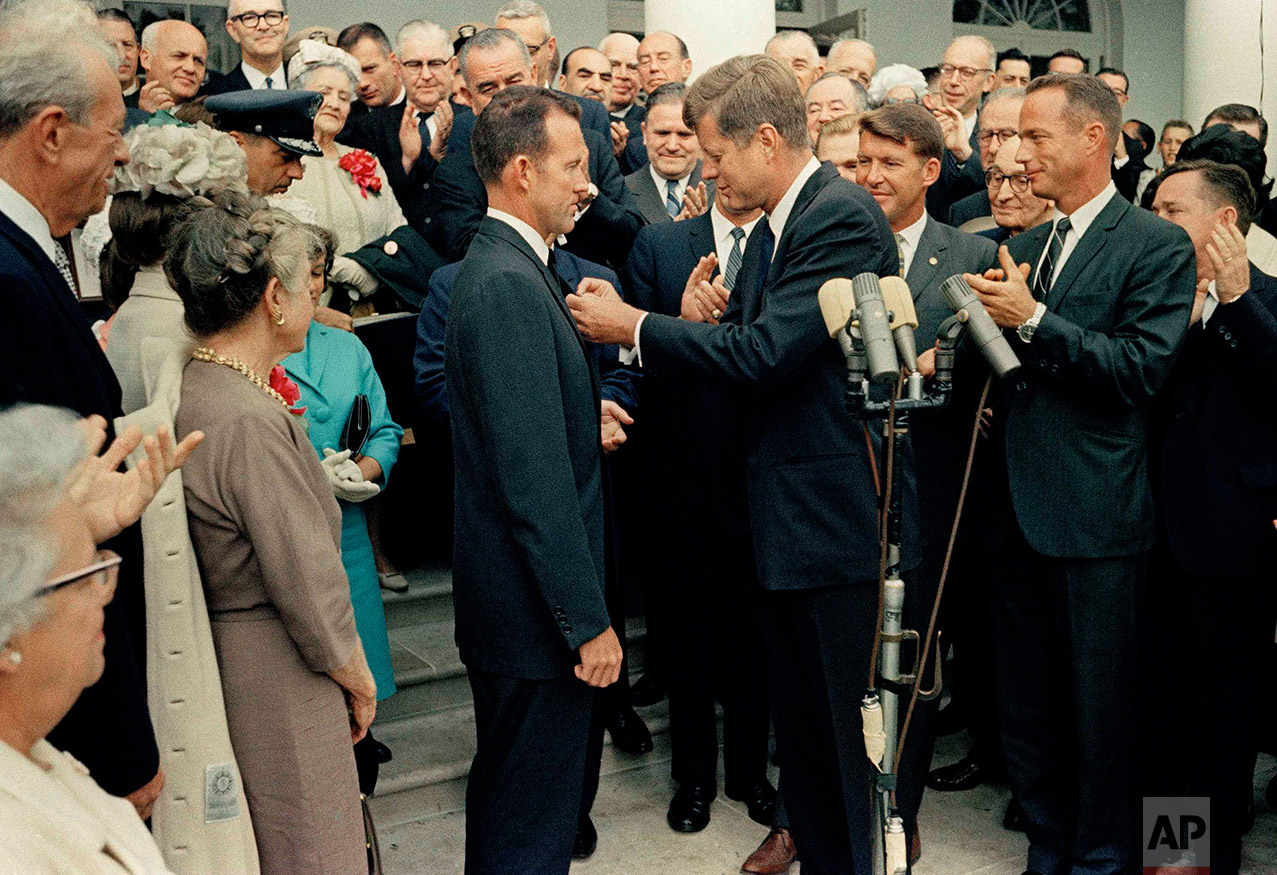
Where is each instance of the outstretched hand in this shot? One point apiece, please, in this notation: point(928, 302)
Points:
point(112, 500)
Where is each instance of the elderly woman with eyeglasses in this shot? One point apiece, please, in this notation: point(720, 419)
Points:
point(58, 501)
point(897, 83)
point(267, 534)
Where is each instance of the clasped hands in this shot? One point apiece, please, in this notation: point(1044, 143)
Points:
point(346, 478)
point(1004, 291)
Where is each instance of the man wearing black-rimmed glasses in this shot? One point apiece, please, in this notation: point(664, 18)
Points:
point(260, 28)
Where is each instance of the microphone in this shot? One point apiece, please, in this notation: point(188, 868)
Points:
point(875, 330)
point(904, 319)
point(987, 335)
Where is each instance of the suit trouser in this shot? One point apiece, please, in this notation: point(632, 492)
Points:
point(524, 792)
point(818, 646)
point(966, 625)
point(711, 600)
point(1065, 656)
point(1224, 630)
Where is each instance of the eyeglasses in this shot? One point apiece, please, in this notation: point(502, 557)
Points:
point(104, 572)
point(947, 70)
point(274, 18)
point(896, 101)
point(1003, 135)
point(1019, 181)
point(434, 65)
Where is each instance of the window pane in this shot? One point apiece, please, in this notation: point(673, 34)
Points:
point(1066, 15)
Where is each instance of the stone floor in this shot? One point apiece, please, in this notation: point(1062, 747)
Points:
point(962, 832)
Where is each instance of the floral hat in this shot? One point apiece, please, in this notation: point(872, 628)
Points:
point(184, 161)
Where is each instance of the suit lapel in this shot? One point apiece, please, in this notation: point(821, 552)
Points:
point(1087, 248)
point(653, 202)
point(810, 189)
point(929, 259)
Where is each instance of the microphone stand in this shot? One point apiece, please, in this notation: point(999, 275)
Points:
point(881, 701)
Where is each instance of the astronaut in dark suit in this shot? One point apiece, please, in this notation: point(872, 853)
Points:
point(411, 136)
point(1097, 325)
point(669, 186)
point(491, 60)
point(901, 148)
point(1215, 481)
point(49, 355)
point(532, 548)
point(810, 480)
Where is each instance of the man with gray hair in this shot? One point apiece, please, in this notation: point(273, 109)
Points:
point(831, 96)
point(799, 52)
point(854, 58)
point(173, 55)
point(528, 20)
point(999, 122)
point(627, 114)
point(411, 137)
point(60, 119)
point(966, 75)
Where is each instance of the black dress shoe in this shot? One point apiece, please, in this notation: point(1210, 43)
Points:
point(1015, 819)
point(950, 720)
point(629, 732)
point(647, 690)
point(689, 809)
point(759, 799)
point(587, 839)
point(383, 753)
point(965, 774)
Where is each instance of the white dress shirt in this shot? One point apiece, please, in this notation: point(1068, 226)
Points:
point(1079, 221)
point(969, 123)
point(1212, 303)
point(132, 89)
point(432, 123)
point(911, 237)
point(723, 242)
point(680, 185)
point(257, 79)
point(23, 213)
point(526, 231)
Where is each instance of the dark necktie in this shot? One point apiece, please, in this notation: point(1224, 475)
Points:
point(1043, 281)
point(734, 259)
point(672, 206)
point(269, 83)
point(424, 128)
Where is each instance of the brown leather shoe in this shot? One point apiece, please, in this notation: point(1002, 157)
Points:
point(774, 856)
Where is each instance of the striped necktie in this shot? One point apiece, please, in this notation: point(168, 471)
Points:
point(900, 252)
point(1044, 280)
point(672, 205)
point(734, 259)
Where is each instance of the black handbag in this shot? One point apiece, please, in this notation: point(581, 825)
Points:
point(355, 433)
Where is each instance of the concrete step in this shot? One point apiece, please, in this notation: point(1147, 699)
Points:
point(432, 754)
point(428, 599)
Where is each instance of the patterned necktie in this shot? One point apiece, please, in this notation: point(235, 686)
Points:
point(270, 83)
point(734, 259)
point(672, 205)
point(900, 251)
point(64, 267)
point(1043, 281)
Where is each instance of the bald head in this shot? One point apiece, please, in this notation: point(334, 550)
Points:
point(662, 58)
point(173, 55)
point(621, 51)
point(854, 58)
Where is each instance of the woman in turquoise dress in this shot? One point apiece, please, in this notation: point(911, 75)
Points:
point(330, 372)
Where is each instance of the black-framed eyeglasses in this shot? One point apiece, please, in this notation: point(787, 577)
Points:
point(274, 18)
point(104, 572)
point(416, 66)
point(1003, 135)
point(947, 70)
point(1019, 181)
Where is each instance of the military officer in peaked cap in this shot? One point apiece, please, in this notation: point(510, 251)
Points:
point(274, 128)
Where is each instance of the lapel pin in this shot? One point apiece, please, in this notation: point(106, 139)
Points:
point(931, 260)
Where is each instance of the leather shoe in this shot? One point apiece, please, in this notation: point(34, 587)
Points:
point(774, 856)
point(647, 690)
point(915, 846)
point(587, 839)
point(760, 801)
point(1015, 819)
point(965, 774)
point(629, 732)
point(689, 809)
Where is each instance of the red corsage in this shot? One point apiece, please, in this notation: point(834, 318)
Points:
point(287, 389)
point(362, 167)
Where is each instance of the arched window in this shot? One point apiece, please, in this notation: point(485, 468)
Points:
point(1042, 27)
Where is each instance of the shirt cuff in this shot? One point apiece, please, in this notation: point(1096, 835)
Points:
point(631, 354)
point(1119, 163)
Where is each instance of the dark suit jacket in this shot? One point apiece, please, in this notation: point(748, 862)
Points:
point(1127, 177)
point(528, 573)
point(681, 412)
point(378, 132)
point(651, 201)
point(635, 154)
point(1214, 466)
point(48, 355)
point(616, 382)
point(235, 80)
point(956, 180)
point(973, 206)
point(813, 507)
point(458, 202)
point(130, 100)
point(1075, 419)
point(941, 437)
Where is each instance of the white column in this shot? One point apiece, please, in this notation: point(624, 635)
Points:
point(1222, 60)
point(714, 30)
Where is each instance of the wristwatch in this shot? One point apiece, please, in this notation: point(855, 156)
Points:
point(1030, 325)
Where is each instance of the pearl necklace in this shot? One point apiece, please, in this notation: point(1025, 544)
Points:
point(205, 354)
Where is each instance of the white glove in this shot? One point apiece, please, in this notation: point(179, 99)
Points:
point(352, 273)
point(345, 478)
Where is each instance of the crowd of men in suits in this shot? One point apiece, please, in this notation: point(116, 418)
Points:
point(624, 361)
